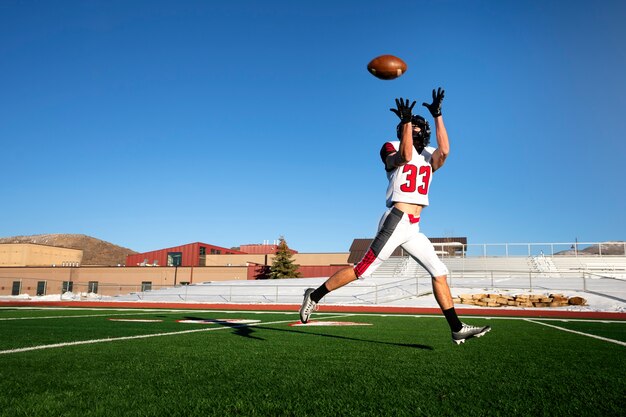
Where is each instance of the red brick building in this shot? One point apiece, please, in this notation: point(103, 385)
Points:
point(191, 254)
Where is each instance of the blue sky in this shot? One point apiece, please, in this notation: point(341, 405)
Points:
point(151, 124)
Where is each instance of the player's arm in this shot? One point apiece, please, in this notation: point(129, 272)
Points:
point(405, 153)
point(393, 158)
point(443, 145)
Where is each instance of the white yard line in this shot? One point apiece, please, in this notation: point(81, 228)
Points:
point(606, 339)
point(174, 311)
point(462, 316)
point(141, 312)
point(143, 336)
point(71, 317)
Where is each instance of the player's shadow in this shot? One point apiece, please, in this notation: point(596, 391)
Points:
point(239, 329)
point(333, 336)
point(247, 330)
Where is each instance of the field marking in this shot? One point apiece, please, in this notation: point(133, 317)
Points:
point(70, 317)
point(605, 339)
point(141, 336)
point(145, 312)
point(174, 311)
point(463, 316)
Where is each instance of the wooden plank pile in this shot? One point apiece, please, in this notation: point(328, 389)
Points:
point(520, 300)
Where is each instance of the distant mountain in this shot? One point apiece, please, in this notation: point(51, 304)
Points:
point(95, 251)
point(608, 248)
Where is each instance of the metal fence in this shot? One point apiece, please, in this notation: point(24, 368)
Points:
point(275, 291)
point(382, 291)
point(536, 249)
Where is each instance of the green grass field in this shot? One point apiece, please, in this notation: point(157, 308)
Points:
point(399, 365)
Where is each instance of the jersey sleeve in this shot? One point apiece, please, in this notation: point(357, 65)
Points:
point(386, 150)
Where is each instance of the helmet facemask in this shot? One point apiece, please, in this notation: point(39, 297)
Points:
point(421, 139)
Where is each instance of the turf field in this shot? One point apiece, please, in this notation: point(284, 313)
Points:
point(98, 362)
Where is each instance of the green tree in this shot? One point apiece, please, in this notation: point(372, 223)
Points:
point(283, 265)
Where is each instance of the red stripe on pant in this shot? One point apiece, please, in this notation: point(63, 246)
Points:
point(365, 263)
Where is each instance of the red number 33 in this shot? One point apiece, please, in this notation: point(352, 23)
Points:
point(412, 172)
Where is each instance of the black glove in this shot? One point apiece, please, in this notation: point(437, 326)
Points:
point(435, 107)
point(403, 110)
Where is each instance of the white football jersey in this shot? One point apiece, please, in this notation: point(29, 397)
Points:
point(410, 182)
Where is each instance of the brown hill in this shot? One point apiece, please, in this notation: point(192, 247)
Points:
point(95, 251)
point(608, 248)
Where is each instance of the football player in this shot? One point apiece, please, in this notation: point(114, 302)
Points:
point(409, 163)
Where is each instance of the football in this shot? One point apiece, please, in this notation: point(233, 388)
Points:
point(387, 67)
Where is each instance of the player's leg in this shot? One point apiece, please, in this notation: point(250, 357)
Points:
point(442, 292)
point(388, 238)
point(422, 250)
point(339, 279)
point(313, 296)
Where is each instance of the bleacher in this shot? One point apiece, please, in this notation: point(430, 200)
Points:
point(541, 266)
point(610, 266)
point(393, 267)
point(487, 264)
